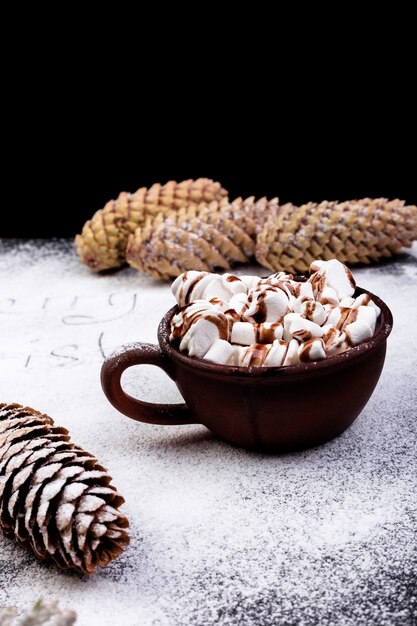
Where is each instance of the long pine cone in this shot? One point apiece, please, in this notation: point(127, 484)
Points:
point(204, 237)
point(359, 231)
point(103, 240)
point(55, 497)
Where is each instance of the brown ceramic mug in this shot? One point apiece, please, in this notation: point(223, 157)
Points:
point(284, 408)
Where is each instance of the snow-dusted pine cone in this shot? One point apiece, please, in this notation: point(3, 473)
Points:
point(40, 615)
point(103, 240)
point(359, 231)
point(250, 213)
point(55, 497)
point(206, 237)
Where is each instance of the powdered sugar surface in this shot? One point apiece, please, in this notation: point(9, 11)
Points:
point(219, 535)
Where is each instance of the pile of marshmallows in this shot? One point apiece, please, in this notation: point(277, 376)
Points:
point(268, 322)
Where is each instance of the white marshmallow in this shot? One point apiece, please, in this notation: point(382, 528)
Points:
point(267, 306)
point(305, 291)
point(365, 300)
point(326, 328)
point(246, 333)
point(376, 307)
point(357, 332)
point(338, 316)
point(288, 320)
point(335, 275)
point(312, 350)
point(249, 281)
point(234, 283)
point(216, 286)
point(220, 305)
point(313, 311)
point(269, 331)
point(289, 288)
point(295, 305)
point(254, 355)
point(188, 315)
point(335, 341)
point(328, 295)
point(292, 358)
point(274, 279)
point(362, 300)
point(175, 285)
point(304, 330)
point(243, 333)
point(238, 355)
point(277, 354)
point(334, 316)
point(199, 288)
point(367, 314)
point(315, 266)
point(202, 334)
point(340, 278)
point(182, 286)
point(347, 302)
point(239, 302)
point(221, 352)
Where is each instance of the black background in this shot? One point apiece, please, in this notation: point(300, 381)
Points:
point(324, 123)
point(59, 181)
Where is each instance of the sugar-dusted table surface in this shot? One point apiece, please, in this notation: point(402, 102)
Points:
point(219, 535)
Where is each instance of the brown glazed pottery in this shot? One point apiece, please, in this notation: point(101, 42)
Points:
point(281, 408)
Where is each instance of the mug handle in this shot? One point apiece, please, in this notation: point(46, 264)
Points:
point(148, 412)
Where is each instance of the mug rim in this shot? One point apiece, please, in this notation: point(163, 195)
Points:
point(355, 353)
